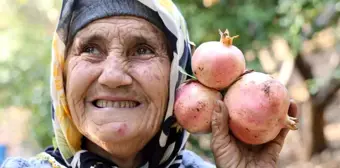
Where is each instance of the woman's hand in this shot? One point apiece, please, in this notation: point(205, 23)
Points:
point(232, 153)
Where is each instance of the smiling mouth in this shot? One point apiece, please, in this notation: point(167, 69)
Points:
point(115, 104)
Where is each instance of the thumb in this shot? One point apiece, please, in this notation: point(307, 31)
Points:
point(220, 129)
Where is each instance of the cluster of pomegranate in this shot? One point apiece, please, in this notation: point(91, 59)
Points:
point(257, 103)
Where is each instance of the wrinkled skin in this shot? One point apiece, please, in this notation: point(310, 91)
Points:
point(118, 57)
point(231, 153)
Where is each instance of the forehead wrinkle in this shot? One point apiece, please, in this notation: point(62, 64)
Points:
point(93, 33)
point(126, 30)
point(133, 26)
point(142, 33)
point(125, 20)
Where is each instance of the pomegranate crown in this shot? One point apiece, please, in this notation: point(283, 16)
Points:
point(225, 37)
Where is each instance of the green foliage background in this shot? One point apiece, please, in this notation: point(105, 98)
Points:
point(27, 25)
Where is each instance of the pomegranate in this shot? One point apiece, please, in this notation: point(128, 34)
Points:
point(194, 104)
point(258, 108)
point(217, 64)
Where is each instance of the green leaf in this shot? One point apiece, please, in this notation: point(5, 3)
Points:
point(185, 73)
point(54, 142)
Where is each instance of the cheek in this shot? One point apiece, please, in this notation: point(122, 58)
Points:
point(153, 76)
point(79, 77)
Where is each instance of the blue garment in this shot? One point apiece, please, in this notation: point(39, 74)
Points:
point(190, 160)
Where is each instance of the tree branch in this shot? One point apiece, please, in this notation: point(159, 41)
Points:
point(329, 13)
point(304, 67)
point(328, 17)
point(326, 93)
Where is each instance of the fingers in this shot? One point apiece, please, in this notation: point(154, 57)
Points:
point(293, 109)
point(271, 150)
point(220, 120)
point(222, 144)
point(281, 136)
point(274, 147)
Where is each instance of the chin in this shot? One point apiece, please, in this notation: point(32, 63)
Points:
point(116, 132)
point(122, 146)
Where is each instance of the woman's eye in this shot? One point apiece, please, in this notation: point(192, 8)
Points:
point(91, 50)
point(143, 51)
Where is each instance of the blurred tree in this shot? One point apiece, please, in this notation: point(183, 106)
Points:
point(26, 32)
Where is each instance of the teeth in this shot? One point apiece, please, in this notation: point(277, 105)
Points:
point(121, 104)
point(115, 104)
point(108, 104)
point(132, 104)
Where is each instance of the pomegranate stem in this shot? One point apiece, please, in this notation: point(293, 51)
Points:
point(291, 123)
point(225, 38)
point(185, 73)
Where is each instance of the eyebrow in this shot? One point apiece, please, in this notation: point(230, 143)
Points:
point(136, 39)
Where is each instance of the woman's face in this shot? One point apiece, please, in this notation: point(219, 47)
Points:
point(117, 74)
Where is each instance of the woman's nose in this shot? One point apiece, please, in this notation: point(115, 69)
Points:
point(114, 74)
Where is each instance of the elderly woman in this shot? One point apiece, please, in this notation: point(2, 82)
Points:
point(114, 73)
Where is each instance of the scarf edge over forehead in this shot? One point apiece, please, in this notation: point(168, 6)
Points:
point(68, 139)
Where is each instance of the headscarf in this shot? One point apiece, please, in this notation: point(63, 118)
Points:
point(168, 143)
